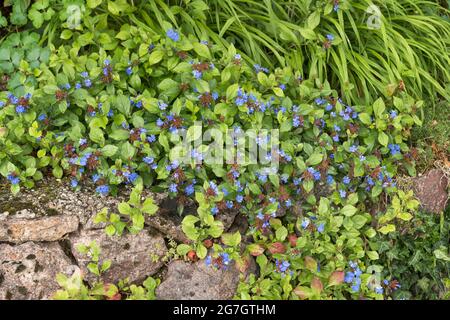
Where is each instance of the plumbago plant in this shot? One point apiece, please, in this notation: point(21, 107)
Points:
point(107, 116)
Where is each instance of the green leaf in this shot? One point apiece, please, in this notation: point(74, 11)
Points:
point(109, 150)
point(314, 159)
point(149, 206)
point(231, 239)
point(124, 208)
point(201, 251)
point(57, 172)
point(155, 57)
point(383, 139)
point(93, 3)
point(348, 210)
point(379, 107)
point(365, 118)
point(281, 233)
point(387, 228)
point(202, 50)
point(373, 255)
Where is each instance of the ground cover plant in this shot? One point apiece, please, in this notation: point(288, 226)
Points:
point(101, 103)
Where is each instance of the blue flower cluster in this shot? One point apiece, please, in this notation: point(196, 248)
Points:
point(354, 277)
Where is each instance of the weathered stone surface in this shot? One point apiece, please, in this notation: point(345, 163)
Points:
point(39, 229)
point(133, 256)
point(197, 281)
point(168, 221)
point(50, 198)
point(28, 270)
point(431, 190)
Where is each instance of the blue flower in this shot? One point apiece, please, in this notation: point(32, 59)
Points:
point(214, 211)
point(173, 35)
point(296, 122)
point(42, 117)
point(342, 193)
point(148, 160)
point(379, 290)
point(88, 83)
point(208, 260)
point(2, 104)
point(159, 122)
point(151, 138)
point(197, 74)
point(330, 37)
point(20, 109)
point(349, 276)
point(320, 101)
point(353, 148)
point(162, 105)
point(393, 114)
point(239, 198)
point(77, 85)
point(355, 287)
point(336, 138)
point(330, 179)
point(346, 180)
point(282, 266)
point(103, 189)
point(394, 148)
point(305, 223)
point(95, 177)
point(129, 70)
point(173, 187)
point(321, 227)
point(82, 141)
point(13, 179)
point(225, 258)
point(84, 74)
point(74, 183)
point(189, 190)
point(229, 204)
point(237, 56)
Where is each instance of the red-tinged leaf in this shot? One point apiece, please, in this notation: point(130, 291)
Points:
point(302, 292)
point(192, 255)
point(244, 263)
point(293, 240)
point(337, 277)
point(255, 249)
point(316, 285)
point(310, 264)
point(276, 247)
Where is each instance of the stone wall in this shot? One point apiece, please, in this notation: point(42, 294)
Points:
point(41, 228)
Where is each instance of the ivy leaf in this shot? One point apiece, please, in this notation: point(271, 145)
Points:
point(387, 228)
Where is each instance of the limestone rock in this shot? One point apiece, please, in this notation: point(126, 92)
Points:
point(28, 270)
point(52, 228)
point(133, 256)
point(197, 281)
point(431, 190)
